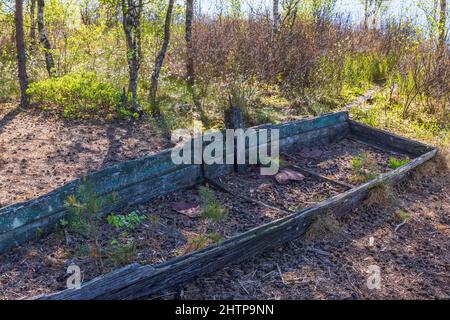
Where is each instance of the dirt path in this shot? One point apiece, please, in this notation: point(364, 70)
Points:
point(414, 261)
point(39, 152)
point(363, 99)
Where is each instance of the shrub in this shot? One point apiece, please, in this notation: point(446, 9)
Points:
point(79, 95)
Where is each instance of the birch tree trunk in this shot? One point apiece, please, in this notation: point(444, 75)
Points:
point(49, 62)
point(21, 56)
point(276, 16)
point(32, 23)
point(188, 37)
point(131, 20)
point(159, 61)
point(442, 27)
point(190, 67)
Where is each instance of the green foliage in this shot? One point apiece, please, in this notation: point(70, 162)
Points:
point(395, 163)
point(84, 208)
point(203, 240)
point(364, 168)
point(386, 113)
point(123, 113)
point(79, 95)
point(128, 221)
point(211, 207)
point(401, 216)
point(362, 68)
point(121, 251)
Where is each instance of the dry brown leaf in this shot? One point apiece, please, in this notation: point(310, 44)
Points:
point(189, 209)
point(286, 175)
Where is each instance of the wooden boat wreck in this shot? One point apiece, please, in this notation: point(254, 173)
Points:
point(141, 180)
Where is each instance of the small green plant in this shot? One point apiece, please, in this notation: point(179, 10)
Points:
point(154, 221)
point(201, 241)
point(211, 208)
point(127, 221)
point(121, 251)
point(364, 168)
point(82, 251)
point(212, 212)
point(39, 232)
point(401, 216)
point(395, 163)
point(84, 216)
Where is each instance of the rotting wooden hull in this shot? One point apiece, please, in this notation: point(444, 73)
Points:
point(137, 282)
point(140, 180)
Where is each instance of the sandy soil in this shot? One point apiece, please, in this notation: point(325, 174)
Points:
point(39, 152)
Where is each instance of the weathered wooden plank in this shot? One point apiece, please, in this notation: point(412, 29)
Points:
point(220, 186)
point(301, 126)
point(104, 181)
point(21, 221)
point(387, 140)
point(130, 172)
point(28, 232)
point(324, 135)
point(319, 176)
point(374, 146)
point(17, 215)
point(152, 279)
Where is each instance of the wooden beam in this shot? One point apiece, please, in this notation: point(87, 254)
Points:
point(374, 146)
point(316, 174)
point(220, 186)
point(384, 139)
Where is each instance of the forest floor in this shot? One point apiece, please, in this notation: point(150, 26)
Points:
point(414, 260)
point(40, 152)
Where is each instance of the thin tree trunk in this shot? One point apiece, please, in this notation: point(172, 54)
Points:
point(366, 14)
point(190, 76)
point(21, 56)
point(442, 27)
point(131, 19)
point(49, 62)
point(190, 67)
point(159, 61)
point(276, 16)
point(32, 23)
